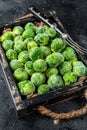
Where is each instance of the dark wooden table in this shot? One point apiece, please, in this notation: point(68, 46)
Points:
point(73, 14)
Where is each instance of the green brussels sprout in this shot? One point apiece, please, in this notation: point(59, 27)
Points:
point(26, 41)
point(7, 36)
point(65, 67)
point(30, 25)
point(7, 44)
point(55, 81)
point(69, 54)
point(18, 38)
point(42, 39)
point(54, 59)
point(79, 68)
point(15, 64)
point(43, 89)
point(20, 74)
point(38, 79)
point(50, 71)
point(46, 50)
point(40, 65)
point(51, 32)
point(23, 56)
point(28, 34)
point(69, 78)
point(11, 54)
point(26, 87)
point(35, 53)
point(57, 45)
point(29, 67)
point(19, 46)
point(31, 44)
point(40, 30)
point(18, 30)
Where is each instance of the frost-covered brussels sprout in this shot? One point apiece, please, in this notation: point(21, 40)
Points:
point(26, 41)
point(54, 59)
point(42, 39)
point(26, 87)
point(23, 56)
point(30, 25)
point(28, 34)
point(46, 50)
point(20, 74)
point(43, 89)
point(7, 44)
point(19, 46)
point(50, 71)
point(55, 81)
point(69, 78)
point(38, 79)
point(29, 67)
point(15, 64)
point(7, 36)
point(79, 68)
point(40, 65)
point(57, 45)
point(51, 32)
point(69, 54)
point(31, 44)
point(18, 38)
point(35, 53)
point(40, 30)
point(18, 30)
point(11, 54)
point(65, 67)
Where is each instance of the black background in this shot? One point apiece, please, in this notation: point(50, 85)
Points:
point(73, 14)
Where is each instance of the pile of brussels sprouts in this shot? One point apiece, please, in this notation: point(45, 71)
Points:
point(40, 59)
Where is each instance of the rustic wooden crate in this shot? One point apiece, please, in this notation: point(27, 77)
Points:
point(26, 106)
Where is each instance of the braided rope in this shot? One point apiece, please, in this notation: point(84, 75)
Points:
point(44, 111)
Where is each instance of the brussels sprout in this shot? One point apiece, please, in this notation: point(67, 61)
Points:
point(30, 25)
point(69, 54)
point(57, 45)
point(23, 56)
point(65, 67)
point(15, 64)
point(18, 38)
point(26, 41)
point(40, 30)
point(11, 54)
point(26, 87)
point(38, 79)
point(40, 65)
point(51, 32)
point(35, 53)
point(31, 44)
point(29, 67)
point(69, 78)
point(43, 89)
point(54, 59)
point(50, 71)
point(79, 68)
point(55, 81)
point(7, 36)
point(19, 46)
point(18, 30)
point(46, 51)
point(7, 44)
point(42, 39)
point(28, 34)
point(20, 74)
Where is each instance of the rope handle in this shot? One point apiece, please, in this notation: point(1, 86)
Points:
point(76, 113)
